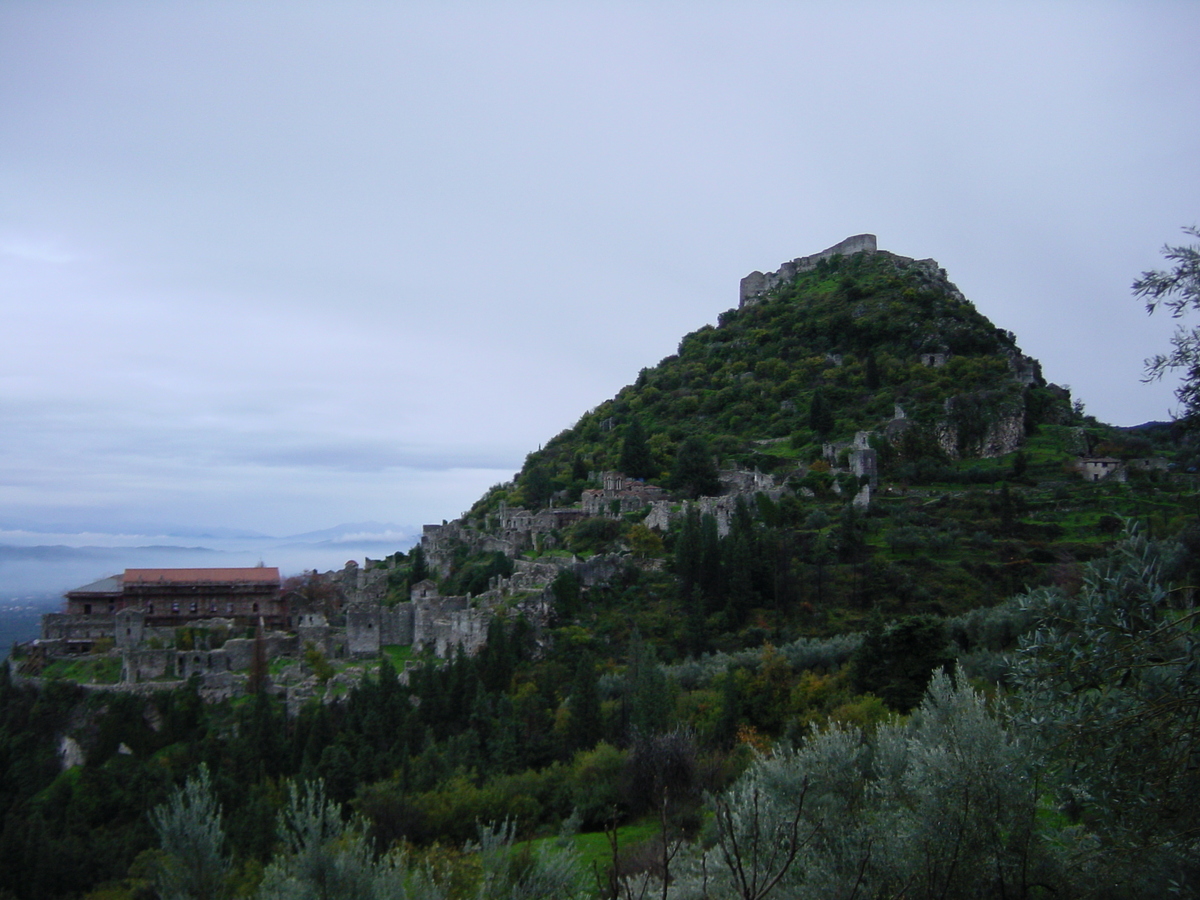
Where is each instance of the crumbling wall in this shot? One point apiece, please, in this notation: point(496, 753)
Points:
point(147, 665)
point(67, 627)
point(756, 284)
point(396, 624)
point(129, 629)
point(429, 618)
point(362, 629)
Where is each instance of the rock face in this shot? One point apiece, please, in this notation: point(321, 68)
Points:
point(756, 284)
point(985, 424)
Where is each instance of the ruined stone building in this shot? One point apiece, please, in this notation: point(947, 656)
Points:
point(164, 598)
point(619, 494)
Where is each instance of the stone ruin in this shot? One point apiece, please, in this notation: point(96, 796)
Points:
point(754, 285)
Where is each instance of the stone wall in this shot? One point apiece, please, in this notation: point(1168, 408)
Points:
point(396, 624)
point(756, 284)
point(443, 631)
point(362, 629)
point(372, 626)
point(65, 627)
point(438, 543)
point(236, 655)
point(129, 628)
point(147, 665)
point(662, 514)
point(431, 618)
point(983, 424)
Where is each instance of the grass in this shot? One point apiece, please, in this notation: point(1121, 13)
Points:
point(593, 847)
point(399, 654)
point(87, 670)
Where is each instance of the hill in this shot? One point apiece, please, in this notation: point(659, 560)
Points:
point(845, 486)
point(878, 448)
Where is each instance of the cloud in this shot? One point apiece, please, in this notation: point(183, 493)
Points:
point(35, 251)
point(279, 267)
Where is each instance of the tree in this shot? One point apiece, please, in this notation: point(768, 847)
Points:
point(538, 485)
point(587, 721)
point(418, 569)
point(644, 542)
point(325, 858)
point(192, 839)
point(1110, 677)
point(694, 474)
point(820, 416)
point(897, 662)
point(873, 379)
point(636, 461)
point(1177, 289)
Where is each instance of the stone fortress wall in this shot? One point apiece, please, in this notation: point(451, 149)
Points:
point(756, 284)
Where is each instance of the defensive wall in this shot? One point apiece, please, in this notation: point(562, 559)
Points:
point(756, 284)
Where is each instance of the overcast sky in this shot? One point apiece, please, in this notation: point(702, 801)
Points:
point(275, 266)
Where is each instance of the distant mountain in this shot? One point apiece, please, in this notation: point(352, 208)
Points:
point(61, 553)
point(358, 533)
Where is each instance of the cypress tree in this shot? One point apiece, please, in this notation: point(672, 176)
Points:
point(820, 416)
point(872, 374)
point(694, 474)
point(586, 723)
point(635, 460)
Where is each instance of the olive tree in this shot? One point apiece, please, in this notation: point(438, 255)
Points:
point(1177, 290)
point(1110, 681)
point(192, 837)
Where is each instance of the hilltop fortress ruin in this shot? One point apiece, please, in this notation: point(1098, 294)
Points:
point(754, 285)
point(168, 625)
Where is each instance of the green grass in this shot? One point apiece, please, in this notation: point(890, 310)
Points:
point(593, 847)
point(87, 670)
point(399, 654)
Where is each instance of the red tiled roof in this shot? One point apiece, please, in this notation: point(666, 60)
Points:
point(255, 575)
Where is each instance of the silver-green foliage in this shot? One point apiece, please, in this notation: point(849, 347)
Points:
point(548, 873)
point(1111, 684)
point(326, 857)
point(1178, 289)
point(954, 801)
point(942, 805)
point(192, 838)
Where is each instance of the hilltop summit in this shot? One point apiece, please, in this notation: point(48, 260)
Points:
point(851, 339)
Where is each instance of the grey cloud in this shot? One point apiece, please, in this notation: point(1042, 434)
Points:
point(272, 264)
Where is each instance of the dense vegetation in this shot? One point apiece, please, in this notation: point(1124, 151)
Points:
point(752, 715)
point(1077, 779)
point(818, 359)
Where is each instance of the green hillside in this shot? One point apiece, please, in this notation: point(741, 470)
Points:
point(848, 336)
point(977, 495)
point(969, 672)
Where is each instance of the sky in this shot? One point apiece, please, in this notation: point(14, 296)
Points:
point(272, 267)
